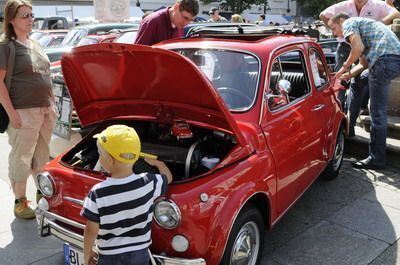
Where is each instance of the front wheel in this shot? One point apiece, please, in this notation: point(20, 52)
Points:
point(332, 169)
point(245, 243)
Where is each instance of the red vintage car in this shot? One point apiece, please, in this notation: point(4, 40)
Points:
point(246, 124)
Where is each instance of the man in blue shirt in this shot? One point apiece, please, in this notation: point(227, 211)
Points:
point(378, 48)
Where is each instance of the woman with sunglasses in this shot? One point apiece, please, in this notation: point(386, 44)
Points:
point(29, 101)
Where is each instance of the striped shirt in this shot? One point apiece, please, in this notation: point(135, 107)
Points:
point(377, 38)
point(124, 210)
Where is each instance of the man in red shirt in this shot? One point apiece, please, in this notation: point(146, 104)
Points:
point(167, 23)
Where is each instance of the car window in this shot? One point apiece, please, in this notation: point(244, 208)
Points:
point(87, 41)
point(233, 74)
point(127, 37)
point(56, 42)
point(319, 73)
point(288, 80)
point(38, 23)
point(73, 37)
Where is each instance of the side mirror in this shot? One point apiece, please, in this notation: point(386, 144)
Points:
point(284, 86)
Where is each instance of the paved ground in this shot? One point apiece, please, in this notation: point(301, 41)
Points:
point(354, 219)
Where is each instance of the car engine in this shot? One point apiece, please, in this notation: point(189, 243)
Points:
point(187, 150)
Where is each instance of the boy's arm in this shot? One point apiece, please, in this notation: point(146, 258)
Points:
point(90, 235)
point(162, 167)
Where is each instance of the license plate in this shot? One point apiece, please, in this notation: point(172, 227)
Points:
point(72, 256)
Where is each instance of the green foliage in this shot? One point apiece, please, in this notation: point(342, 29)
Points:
point(312, 8)
point(237, 6)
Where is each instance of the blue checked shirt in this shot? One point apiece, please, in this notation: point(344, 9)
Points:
point(377, 38)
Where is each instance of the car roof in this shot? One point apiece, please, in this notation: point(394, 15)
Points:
point(106, 25)
point(244, 39)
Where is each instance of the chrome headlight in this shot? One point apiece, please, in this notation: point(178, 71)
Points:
point(46, 183)
point(167, 214)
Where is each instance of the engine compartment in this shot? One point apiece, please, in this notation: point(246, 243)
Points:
point(187, 150)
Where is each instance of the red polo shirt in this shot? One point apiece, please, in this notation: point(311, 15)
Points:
point(157, 27)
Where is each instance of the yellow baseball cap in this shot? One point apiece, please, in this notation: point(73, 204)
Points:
point(122, 142)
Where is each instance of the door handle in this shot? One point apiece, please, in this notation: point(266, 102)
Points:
point(318, 107)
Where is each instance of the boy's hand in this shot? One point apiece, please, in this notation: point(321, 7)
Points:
point(162, 167)
point(91, 259)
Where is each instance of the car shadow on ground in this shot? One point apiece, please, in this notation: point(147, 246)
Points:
point(20, 243)
point(354, 219)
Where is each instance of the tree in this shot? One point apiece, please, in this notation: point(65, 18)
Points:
point(237, 6)
point(312, 8)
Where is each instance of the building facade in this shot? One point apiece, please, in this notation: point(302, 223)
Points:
point(276, 7)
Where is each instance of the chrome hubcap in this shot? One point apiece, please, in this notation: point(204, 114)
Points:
point(247, 245)
point(339, 150)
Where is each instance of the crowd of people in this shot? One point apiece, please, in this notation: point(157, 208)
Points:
point(368, 53)
point(364, 38)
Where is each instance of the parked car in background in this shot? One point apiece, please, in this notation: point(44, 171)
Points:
point(51, 39)
point(76, 34)
point(51, 23)
point(245, 122)
point(96, 39)
point(37, 34)
point(127, 36)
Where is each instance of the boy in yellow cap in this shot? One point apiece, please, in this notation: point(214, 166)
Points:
point(119, 209)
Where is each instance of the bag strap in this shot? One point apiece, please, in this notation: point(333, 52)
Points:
point(10, 68)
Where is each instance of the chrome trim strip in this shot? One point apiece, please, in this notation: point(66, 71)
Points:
point(77, 240)
point(73, 200)
point(52, 216)
point(64, 234)
point(178, 261)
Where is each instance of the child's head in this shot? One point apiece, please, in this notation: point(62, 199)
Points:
point(118, 146)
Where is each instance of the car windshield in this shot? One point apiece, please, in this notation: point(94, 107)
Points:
point(233, 74)
point(73, 37)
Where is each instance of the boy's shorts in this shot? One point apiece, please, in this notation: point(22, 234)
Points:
point(30, 144)
point(140, 257)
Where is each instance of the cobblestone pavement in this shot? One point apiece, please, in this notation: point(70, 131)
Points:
point(354, 219)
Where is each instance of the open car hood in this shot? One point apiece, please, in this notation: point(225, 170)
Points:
point(111, 80)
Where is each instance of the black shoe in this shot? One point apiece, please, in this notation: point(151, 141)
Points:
point(366, 163)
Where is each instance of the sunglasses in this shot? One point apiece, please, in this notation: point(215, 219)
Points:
point(26, 15)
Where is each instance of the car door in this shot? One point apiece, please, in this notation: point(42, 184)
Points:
point(324, 95)
point(292, 128)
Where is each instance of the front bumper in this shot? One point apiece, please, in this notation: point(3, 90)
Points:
point(49, 224)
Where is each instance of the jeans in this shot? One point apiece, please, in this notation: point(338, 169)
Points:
point(140, 257)
point(385, 69)
point(342, 53)
point(358, 96)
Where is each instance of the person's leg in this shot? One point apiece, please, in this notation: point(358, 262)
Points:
point(41, 153)
point(380, 75)
point(357, 92)
point(23, 143)
point(342, 53)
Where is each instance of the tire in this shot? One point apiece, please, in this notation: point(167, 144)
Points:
point(249, 226)
point(332, 169)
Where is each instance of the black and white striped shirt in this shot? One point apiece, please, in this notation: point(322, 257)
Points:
point(124, 210)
